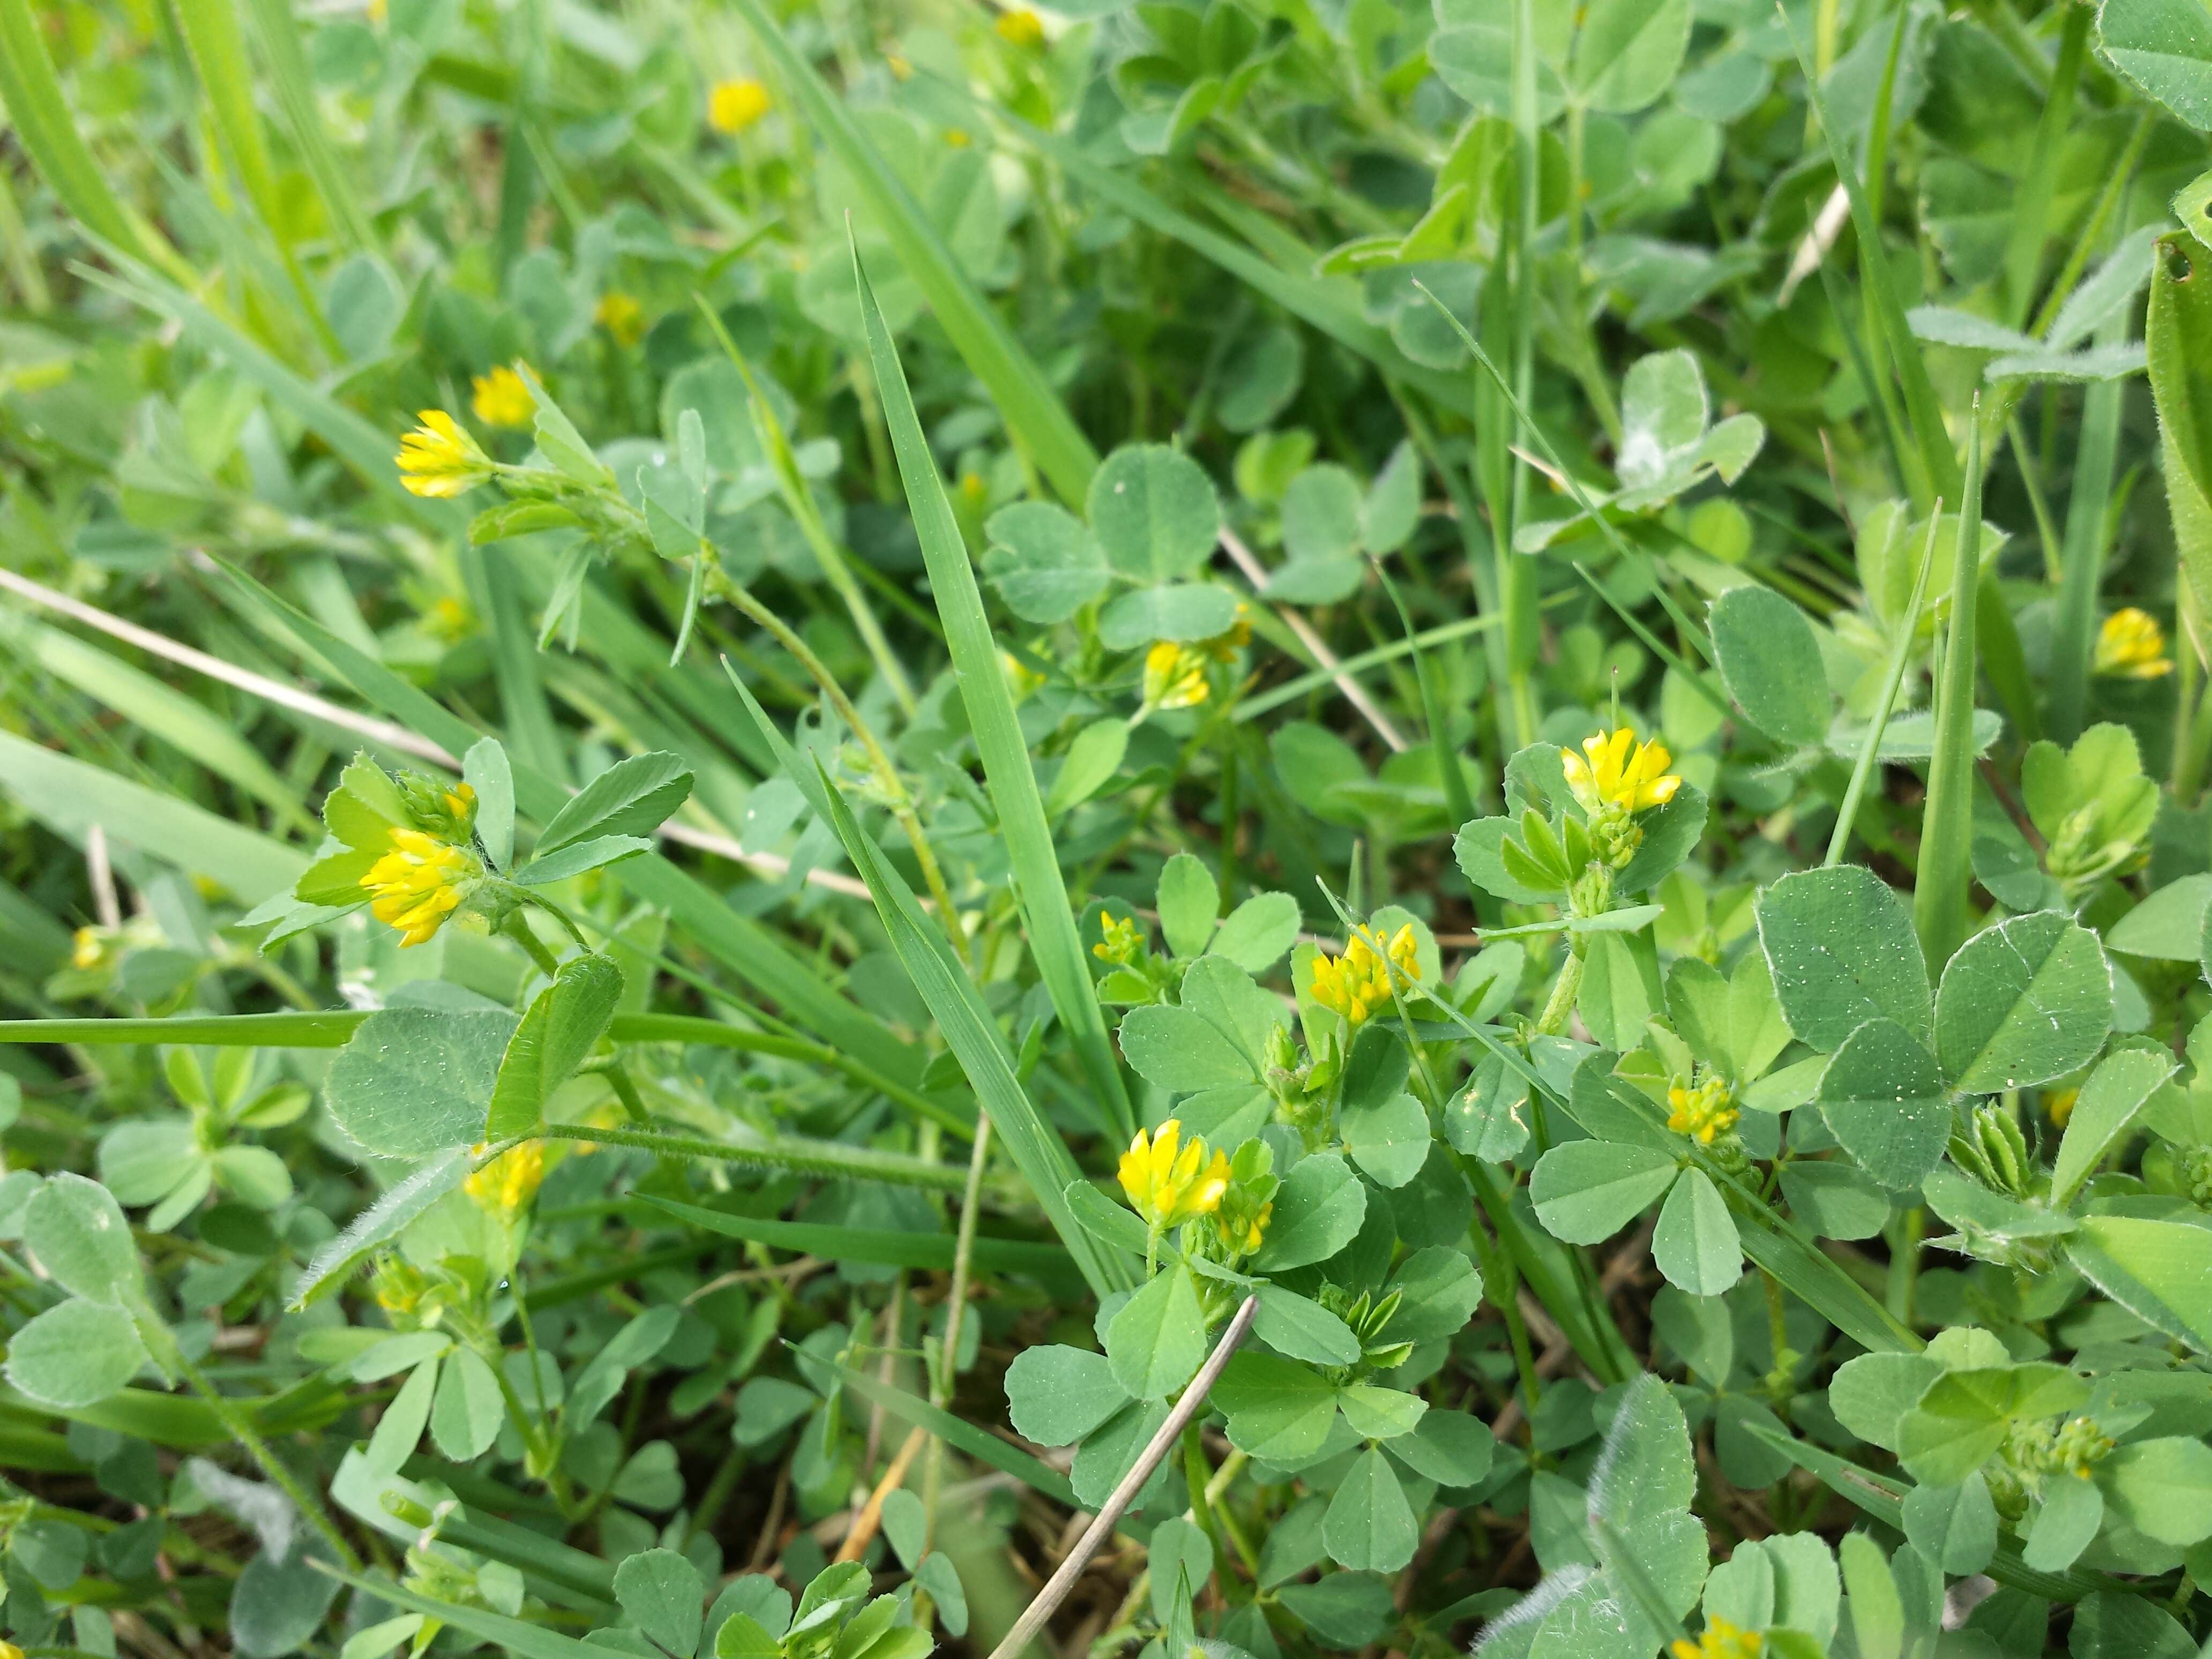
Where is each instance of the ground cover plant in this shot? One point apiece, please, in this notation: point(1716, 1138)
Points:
point(1208, 826)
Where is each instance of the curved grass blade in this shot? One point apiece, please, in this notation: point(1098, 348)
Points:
point(1037, 881)
point(1862, 768)
point(923, 1252)
point(1940, 883)
point(1034, 413)
point(969, 1031)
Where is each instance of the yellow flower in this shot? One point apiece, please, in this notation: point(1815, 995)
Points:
point(1358, 982)
point(1616, 773)
point(89, 948)
point(418, 883)
point(1021, 678)
point(2132, 645)
point(1020, 27)
point(621, 316)
point(1244, 1236)
point(9, 1651)
point(439, 460)
point(448, 619)
point(735, 104)
point(1175, 677)
point(1231, 640)
point(1702, 1112)
point(901, 69)
point(957, 137)
point(1123, 939)
point(1171, 1181)
point(1720, 1640)
point(2059, 1103)
point(502, 398)
point(503, 1185)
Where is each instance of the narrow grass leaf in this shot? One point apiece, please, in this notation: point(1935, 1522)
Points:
point(1941, 881)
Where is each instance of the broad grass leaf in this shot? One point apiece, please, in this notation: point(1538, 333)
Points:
point(1318, 1210)
point(1695, 1244)
point(2164, 46)
point(76, 1354)
point(413, 1081)
point(1842, 951)
point(1585, 1191)
point(630, 798)
point(661, 1589)
point(1770, 663)
point(2108, 1104)
point(1056, 1395)
point(1370, 1526)
point(2022, 1003)
point(2159, 1270)
point(1154, 512)
point(1154, 1344)
point(1884, 1101)
point(1279, 1410)
point(78, 1233)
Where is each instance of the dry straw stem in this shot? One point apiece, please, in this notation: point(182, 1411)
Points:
point(1102, 1528)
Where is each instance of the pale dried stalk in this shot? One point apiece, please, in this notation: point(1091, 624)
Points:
point(1102, 1528)
point(381, 732)
point(1354, 693)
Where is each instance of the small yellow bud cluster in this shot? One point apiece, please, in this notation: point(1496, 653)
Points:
point(621, 316)
point(736, 105)
point(1175, 675)
point(1702, 1112)
point(1171, 1181)
point(1720, 1640)
point(502, 398)
point(1358, 982)
point(508, 1182)
point(1123, 940)
point(2132, 645)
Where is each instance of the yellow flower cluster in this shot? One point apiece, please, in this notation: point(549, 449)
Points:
point(1616, 773)
point(1020, 27)
point(1243, 1234)
point(502, 398)
point(1720, 1640)
point(1122, 938)
point(1171, 1181)
point(737, 104)
point(1175, 675)
point(418, 883)
point(621, 315)
point(503, 1185)
point(439, 460)
point(88, 948)
point(1702, 1112)
point(1358, 982)
point(2059, 1103)
point(2132, 645)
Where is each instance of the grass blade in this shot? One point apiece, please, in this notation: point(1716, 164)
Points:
point(294, 85)
point(975, 659)
point(1900, 653)
point(1034, 413)
point(1940, 884)
point(2082, 553)
point(973, 1035)
point(1032, 1472)
point(924, 1252)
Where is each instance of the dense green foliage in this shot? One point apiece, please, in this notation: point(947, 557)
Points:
point(1417, 792)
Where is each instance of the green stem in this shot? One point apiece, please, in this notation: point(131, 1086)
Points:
point(1565, 989)
point(828, 1158)
point(242, 1431)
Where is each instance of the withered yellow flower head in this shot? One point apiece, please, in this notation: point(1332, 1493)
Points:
point(503, 1185)
point(737, 104)
point(621, 315)
point(1175, 675)
point(1358, 982)
point(1614, 772)
point(1171, 1181)
point(439, 460)
point(502, 398)
point(1020, 27)
point(2132, 645)
point(1720, 1640)
point(418, 883)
